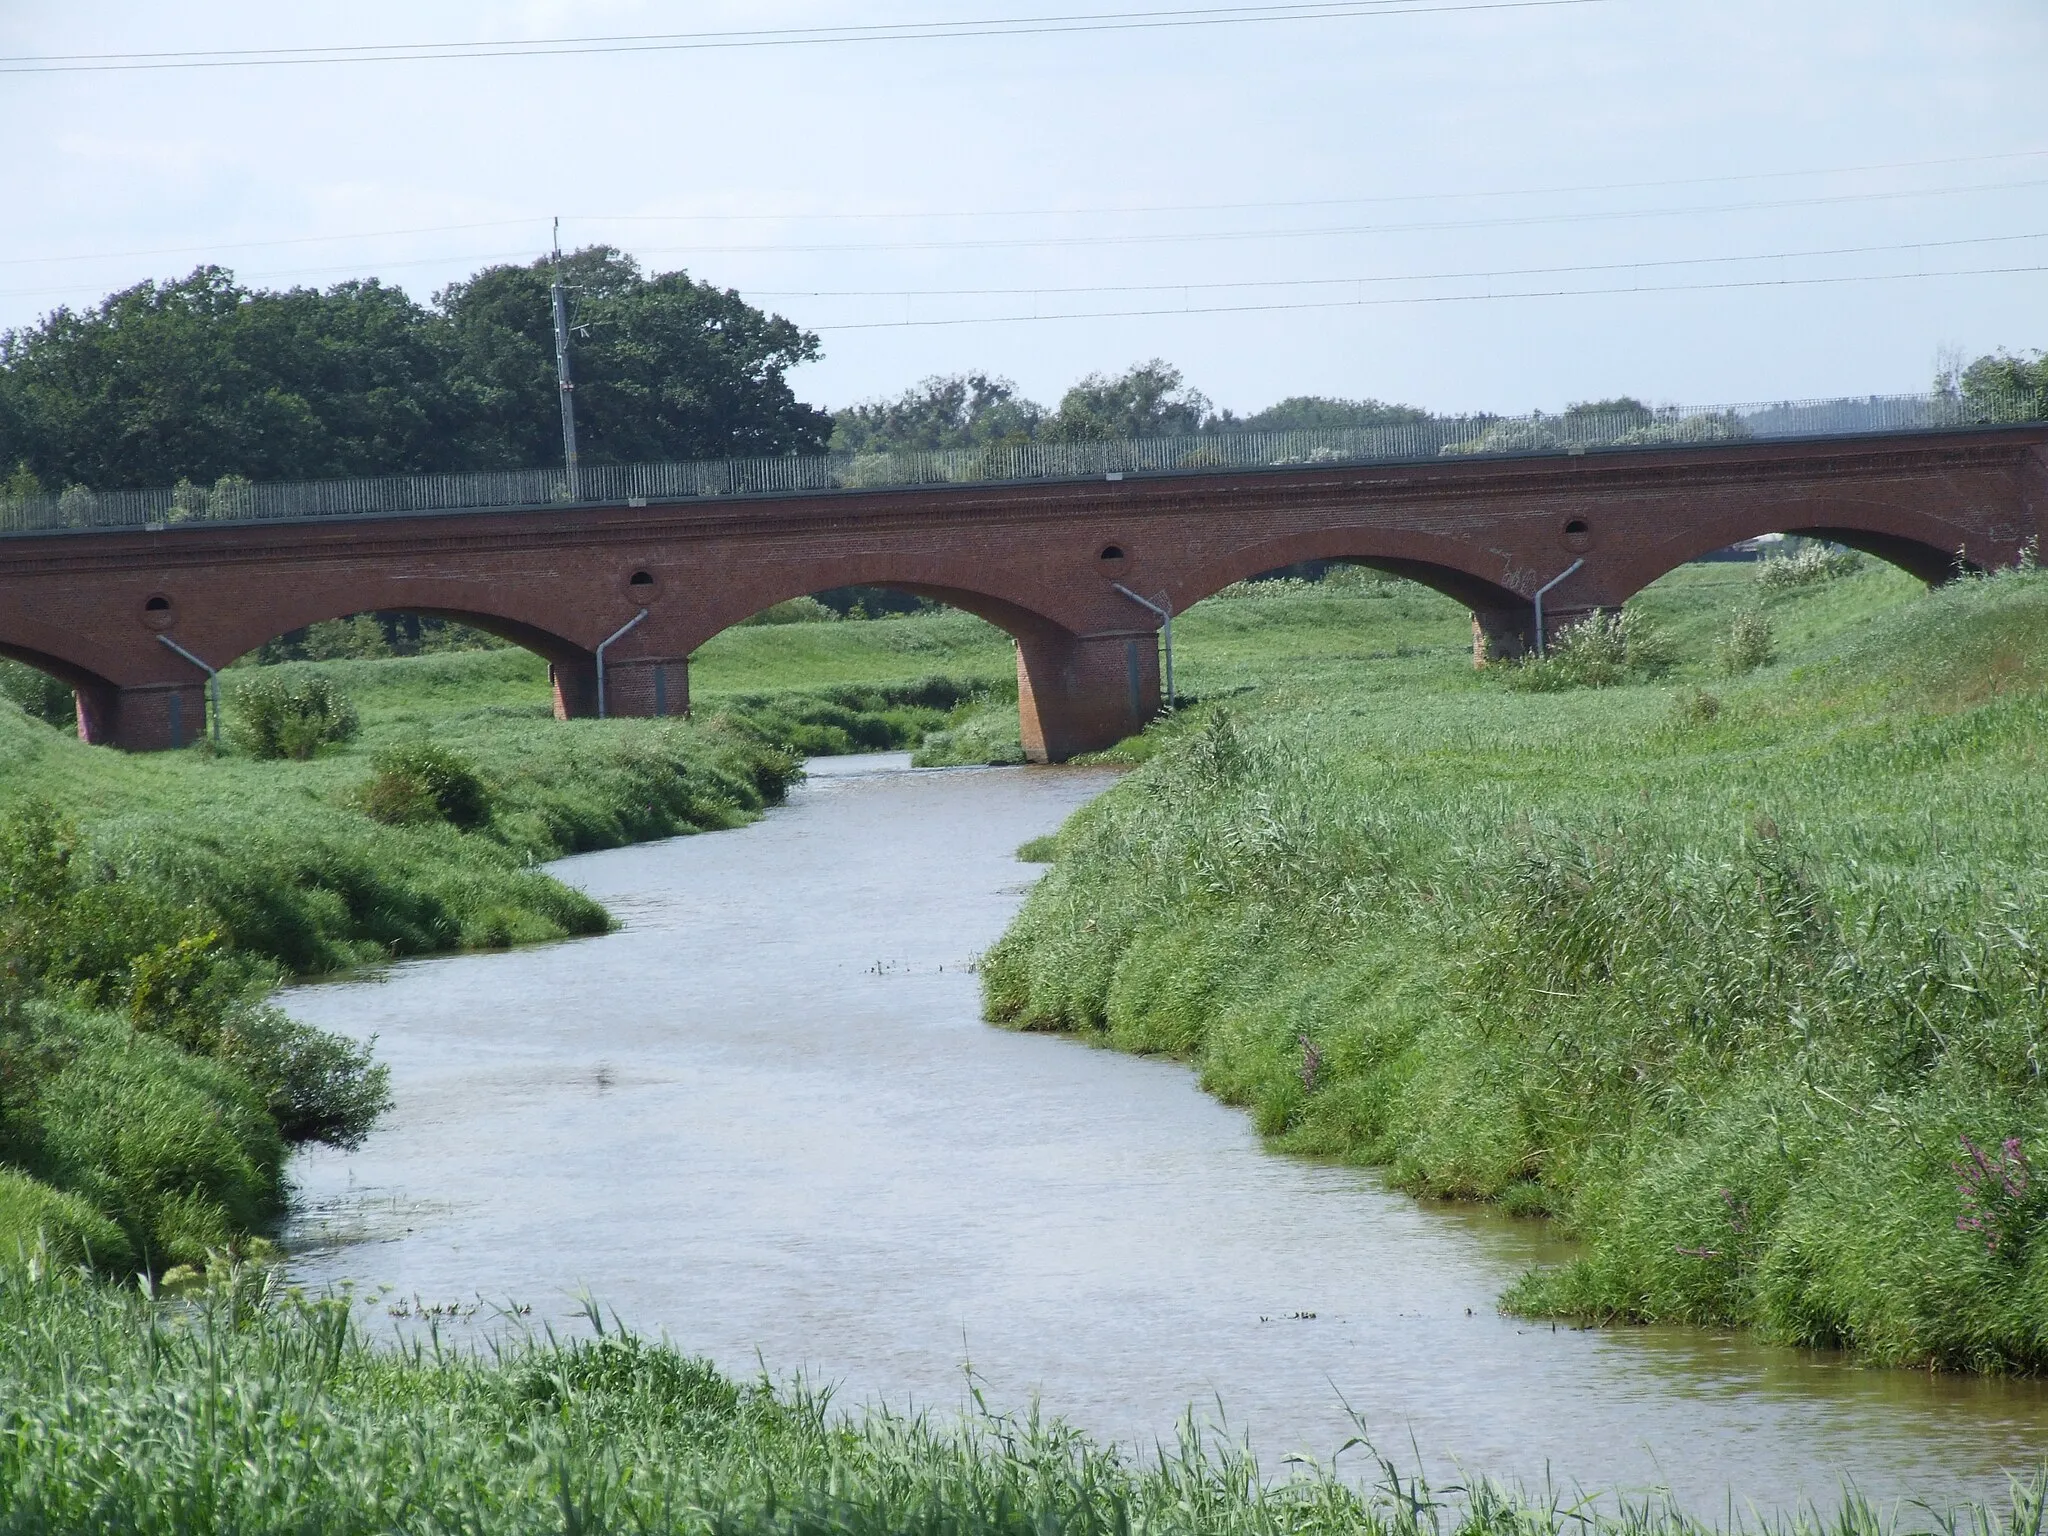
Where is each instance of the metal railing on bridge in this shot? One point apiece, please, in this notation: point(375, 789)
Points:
point(1434, 438)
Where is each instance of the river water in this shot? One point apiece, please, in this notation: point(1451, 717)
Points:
point(764, 1118)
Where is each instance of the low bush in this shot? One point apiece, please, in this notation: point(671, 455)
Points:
point(280, 714)
point(421, 782)
point(1602, 650)
point(36, 1219)
point(796, 610)
point(1806, 566)
point(1748, 644)
point(38, 694)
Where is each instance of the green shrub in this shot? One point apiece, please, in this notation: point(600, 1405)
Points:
point(797, 610)
point(34, 1218)
point(1805, 567)
point(290, 715)
point(1748, 644)
point(39, 694)
point(1694, 707)
point(179, 1151)
point(421, 782)
point(1600, 651)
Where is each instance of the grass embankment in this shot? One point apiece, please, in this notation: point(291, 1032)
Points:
point(149, 904)
point(1744, 981)
point(232, 1414)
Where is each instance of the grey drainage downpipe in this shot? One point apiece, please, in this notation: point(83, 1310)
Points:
point(212, 681)
point(1560, 576)
point(605, 645)
point(1166, 620)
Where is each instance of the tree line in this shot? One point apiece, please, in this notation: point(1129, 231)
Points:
point(203, 377)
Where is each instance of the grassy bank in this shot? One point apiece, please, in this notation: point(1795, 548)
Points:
point(239, 1414)
point(149, 1094)
point(1742, 979)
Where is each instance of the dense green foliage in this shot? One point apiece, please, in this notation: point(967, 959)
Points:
point(202, 378)
point(275, 715)
point(1151, 399)
point(148, 1093)
point(244, 1411)
point(1747, 988)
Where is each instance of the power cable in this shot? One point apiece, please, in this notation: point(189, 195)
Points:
point(1076, 212)
point(1320, 202)
point(790, 37)
point(1513, 221)
point(1464, 298)
point(1391, 277)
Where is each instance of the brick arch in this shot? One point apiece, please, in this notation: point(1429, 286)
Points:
point(505, 610)
point(1931, 548)
point(1077, 685)
point(1481, 579)
point(72, 659)
point(1022, 615)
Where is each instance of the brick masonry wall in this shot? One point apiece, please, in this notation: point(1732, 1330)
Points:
point(1042, 561)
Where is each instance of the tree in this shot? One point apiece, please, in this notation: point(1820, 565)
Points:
point(1148, 400)
point(2003, 387)
point(1621, 407)
point(201, 377)
point(665, 367)
point(1317, 412)
point(962, 410)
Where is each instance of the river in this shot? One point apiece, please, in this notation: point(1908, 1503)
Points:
point(764, 1118)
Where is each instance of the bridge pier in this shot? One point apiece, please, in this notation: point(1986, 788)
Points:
point(1501, 634)
point(635, 688)
point(1508, 634)
point(1081, 693)
point(647, 687)
point(153, 717)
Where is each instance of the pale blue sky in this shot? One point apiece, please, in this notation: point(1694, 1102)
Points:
point(1383, 150)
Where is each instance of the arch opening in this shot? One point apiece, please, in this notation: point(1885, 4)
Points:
point(50, 689)
point(1500, 619)
point(1073, 692)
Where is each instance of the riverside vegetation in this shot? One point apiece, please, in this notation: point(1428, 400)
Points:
point(1738, 968)
point(1410, 915)
point(358, 811)
point(247, 1410)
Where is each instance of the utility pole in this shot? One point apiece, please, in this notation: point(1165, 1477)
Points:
point(560, 296)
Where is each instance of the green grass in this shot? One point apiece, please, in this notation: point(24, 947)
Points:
point(1732, 992)
point(251, 1413)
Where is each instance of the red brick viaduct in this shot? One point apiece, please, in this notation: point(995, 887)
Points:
point(1043, 560)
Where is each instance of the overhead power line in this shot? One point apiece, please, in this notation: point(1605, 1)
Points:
point(1448, 298)
point(1084, 211)
point(777, 37)
point(1318, 202)
point(1654, 264)
point(1504, 221)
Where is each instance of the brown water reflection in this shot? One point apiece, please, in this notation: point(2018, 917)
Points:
point(764, 1117)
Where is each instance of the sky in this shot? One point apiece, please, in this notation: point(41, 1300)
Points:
point(1458, 204)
